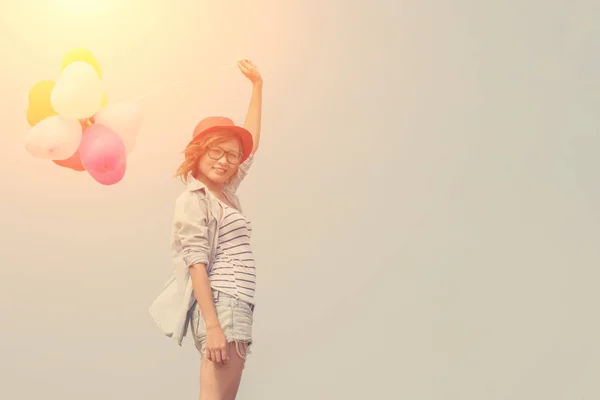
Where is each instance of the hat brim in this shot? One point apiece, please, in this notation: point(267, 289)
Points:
point(242, 133)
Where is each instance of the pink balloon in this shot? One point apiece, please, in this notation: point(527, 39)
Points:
point(103, 154)
point(109, 177)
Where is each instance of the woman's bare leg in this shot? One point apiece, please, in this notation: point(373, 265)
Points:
point(221, 382)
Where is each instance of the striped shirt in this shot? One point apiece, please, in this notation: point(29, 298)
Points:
point(233, 270)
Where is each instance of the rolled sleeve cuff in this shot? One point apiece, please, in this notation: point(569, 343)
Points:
point(193, 258)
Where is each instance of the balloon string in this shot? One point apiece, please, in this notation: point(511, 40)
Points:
point(148, 94)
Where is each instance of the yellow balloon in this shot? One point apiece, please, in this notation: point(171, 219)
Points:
point(40, 106)
point(104, 100)
point(84, 55)
point(40, 92)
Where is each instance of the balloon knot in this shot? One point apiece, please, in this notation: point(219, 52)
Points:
point(86, 122)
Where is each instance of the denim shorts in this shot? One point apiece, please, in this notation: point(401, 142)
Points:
point(236, 317)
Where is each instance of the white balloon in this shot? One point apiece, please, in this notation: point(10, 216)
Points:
point(124, 119)
point(78, 92)
point(54, 138)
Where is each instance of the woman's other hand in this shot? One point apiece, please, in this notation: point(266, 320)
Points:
point(216, 345)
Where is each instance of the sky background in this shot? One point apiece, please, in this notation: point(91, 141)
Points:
point(425, 198)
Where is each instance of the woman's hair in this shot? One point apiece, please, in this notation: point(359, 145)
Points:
point(195, 150)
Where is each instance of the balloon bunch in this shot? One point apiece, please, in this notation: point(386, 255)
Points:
point(73, 125)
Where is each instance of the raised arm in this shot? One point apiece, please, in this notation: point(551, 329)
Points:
point(254, 114)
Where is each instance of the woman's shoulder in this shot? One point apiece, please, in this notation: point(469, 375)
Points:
point(191, 198)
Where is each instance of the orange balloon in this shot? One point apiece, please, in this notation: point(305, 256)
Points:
point(73, 162)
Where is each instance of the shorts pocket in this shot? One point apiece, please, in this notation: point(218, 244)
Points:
point(242, 322)
point(198, 325)
point(245, 306)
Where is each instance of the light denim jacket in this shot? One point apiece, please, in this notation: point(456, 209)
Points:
point(194, 241)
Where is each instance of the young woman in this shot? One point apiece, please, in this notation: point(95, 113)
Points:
point(212, 288)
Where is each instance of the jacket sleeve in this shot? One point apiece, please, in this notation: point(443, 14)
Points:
point(191, 227)
point(235, 181)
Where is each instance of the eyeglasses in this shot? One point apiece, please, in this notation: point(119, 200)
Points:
point(232, 157)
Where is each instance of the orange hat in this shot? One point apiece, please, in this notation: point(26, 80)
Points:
point(215, 124)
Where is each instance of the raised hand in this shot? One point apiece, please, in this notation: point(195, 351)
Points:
point(250, 71)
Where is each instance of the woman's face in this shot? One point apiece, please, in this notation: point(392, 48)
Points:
point(220, 161)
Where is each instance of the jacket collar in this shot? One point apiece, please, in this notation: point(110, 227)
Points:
point(194, 184)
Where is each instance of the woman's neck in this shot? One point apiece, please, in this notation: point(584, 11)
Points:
point(215, 188)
